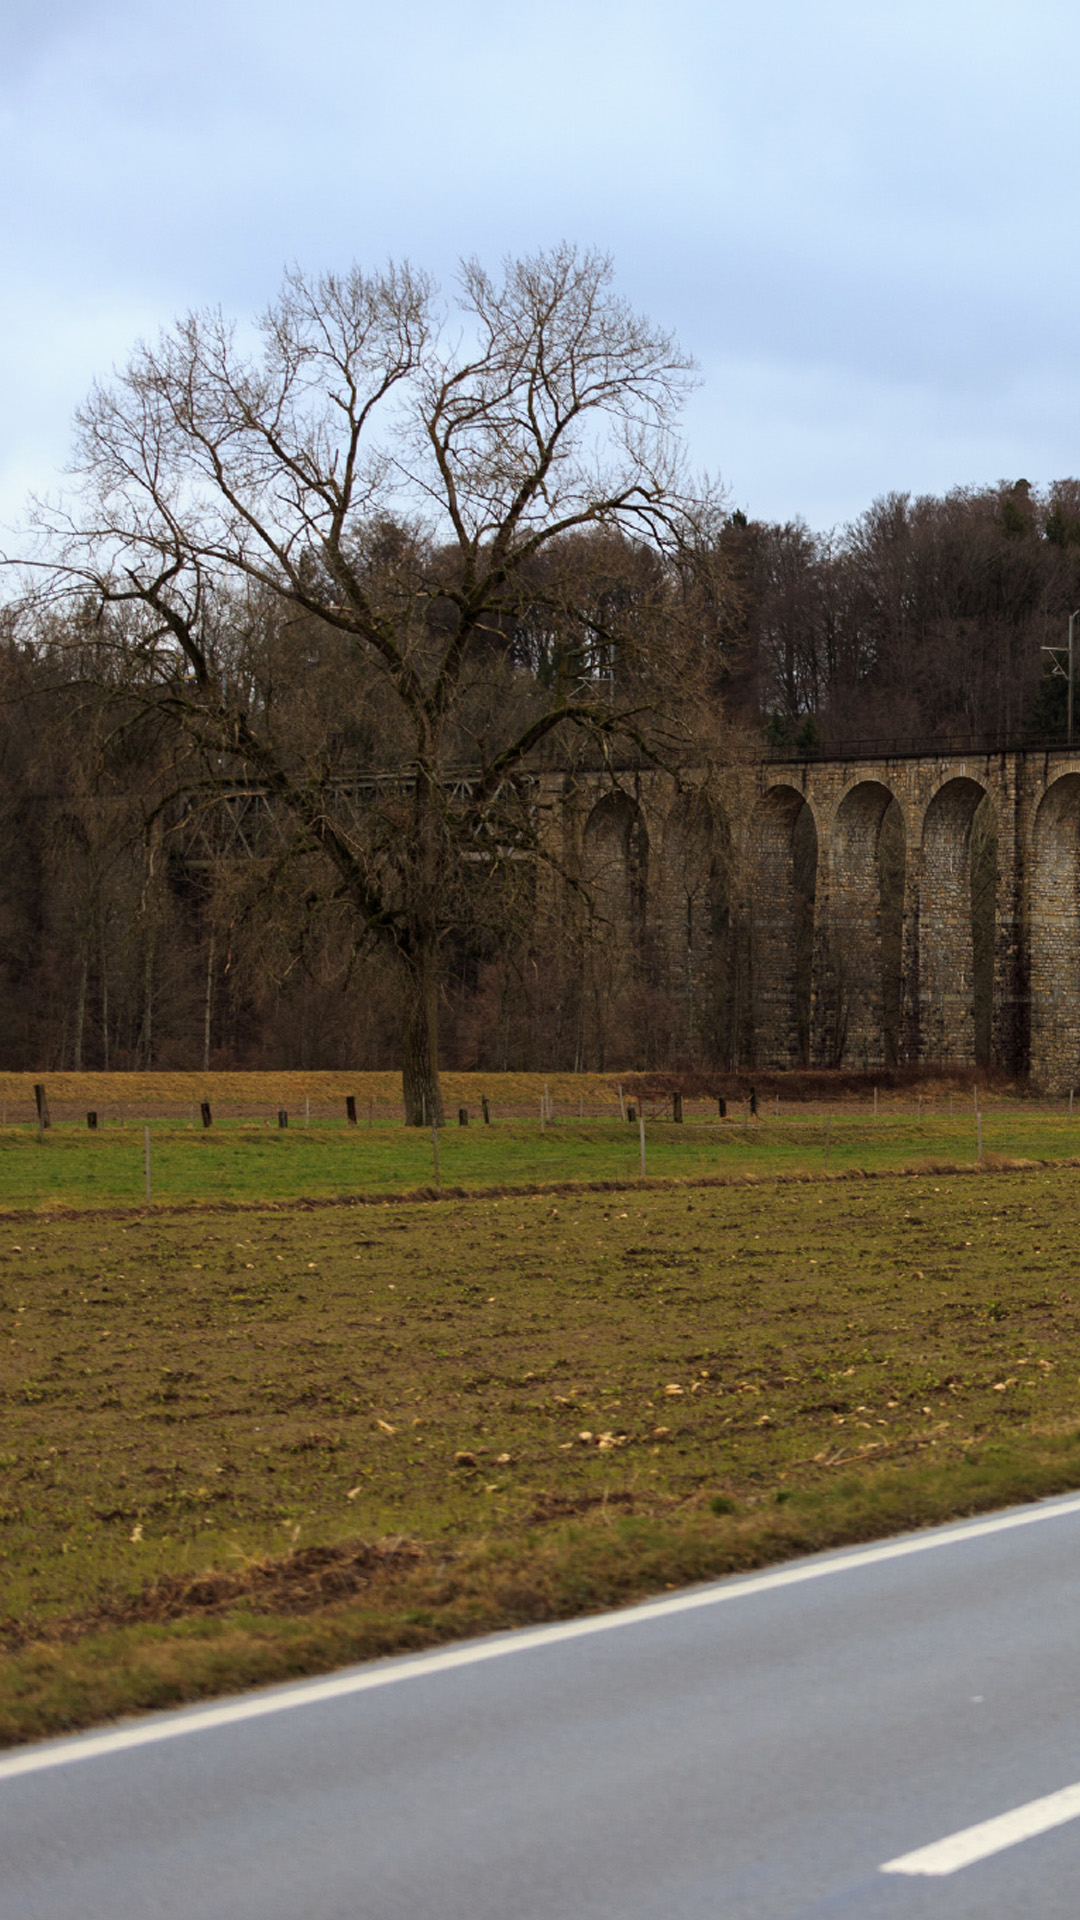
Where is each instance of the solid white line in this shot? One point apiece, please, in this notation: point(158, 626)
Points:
point(147, 1733)
point(991, 1836)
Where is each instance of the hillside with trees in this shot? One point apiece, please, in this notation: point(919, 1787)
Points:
point(922, 622)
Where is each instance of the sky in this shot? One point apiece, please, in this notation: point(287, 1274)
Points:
point(859, 218)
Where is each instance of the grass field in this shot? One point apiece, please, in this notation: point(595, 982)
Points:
point(242, 1445)
point(245, 1156)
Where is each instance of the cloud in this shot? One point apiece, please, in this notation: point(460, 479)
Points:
point(868, 211)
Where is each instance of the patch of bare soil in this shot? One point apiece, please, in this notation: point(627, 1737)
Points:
point(291, 1583)
point(560, 1506)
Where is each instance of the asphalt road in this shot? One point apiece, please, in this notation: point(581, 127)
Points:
point(790, 1744)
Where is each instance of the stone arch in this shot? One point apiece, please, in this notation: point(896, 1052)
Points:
point(859, 992)
point(616, 845)
point(697, 866)
point(1055, 936)
point(957, 923)
point(783, 847)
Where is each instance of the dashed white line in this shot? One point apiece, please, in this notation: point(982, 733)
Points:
point(990, 1836)
point(258, 1706)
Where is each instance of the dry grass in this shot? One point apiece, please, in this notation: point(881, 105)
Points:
point(172, 1095)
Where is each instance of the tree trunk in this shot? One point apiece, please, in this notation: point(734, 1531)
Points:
point(104, 1009)
point(80, 1014)
point(146, 1038)
point(420, 1073)
point(208, 1004)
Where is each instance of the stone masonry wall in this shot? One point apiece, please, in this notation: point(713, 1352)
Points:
point(922, 909)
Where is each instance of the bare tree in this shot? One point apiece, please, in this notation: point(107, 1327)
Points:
point(316, 553)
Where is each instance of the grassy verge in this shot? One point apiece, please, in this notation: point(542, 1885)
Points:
point(137, 1657)
point(241, 1447)
point(241, 1159)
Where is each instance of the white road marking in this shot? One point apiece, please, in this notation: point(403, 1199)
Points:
point(991, 1836)
point(310, 1693)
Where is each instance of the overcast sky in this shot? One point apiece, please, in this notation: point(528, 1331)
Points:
point(861, 219)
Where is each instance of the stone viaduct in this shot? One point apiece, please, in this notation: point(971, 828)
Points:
point(869, 912)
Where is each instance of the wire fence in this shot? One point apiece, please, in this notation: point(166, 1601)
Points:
point(234, 1153)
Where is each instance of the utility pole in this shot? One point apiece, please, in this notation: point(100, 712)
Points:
point(1071, 680)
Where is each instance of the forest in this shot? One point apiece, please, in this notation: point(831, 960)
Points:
point(146, 922)
point(923, 623)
